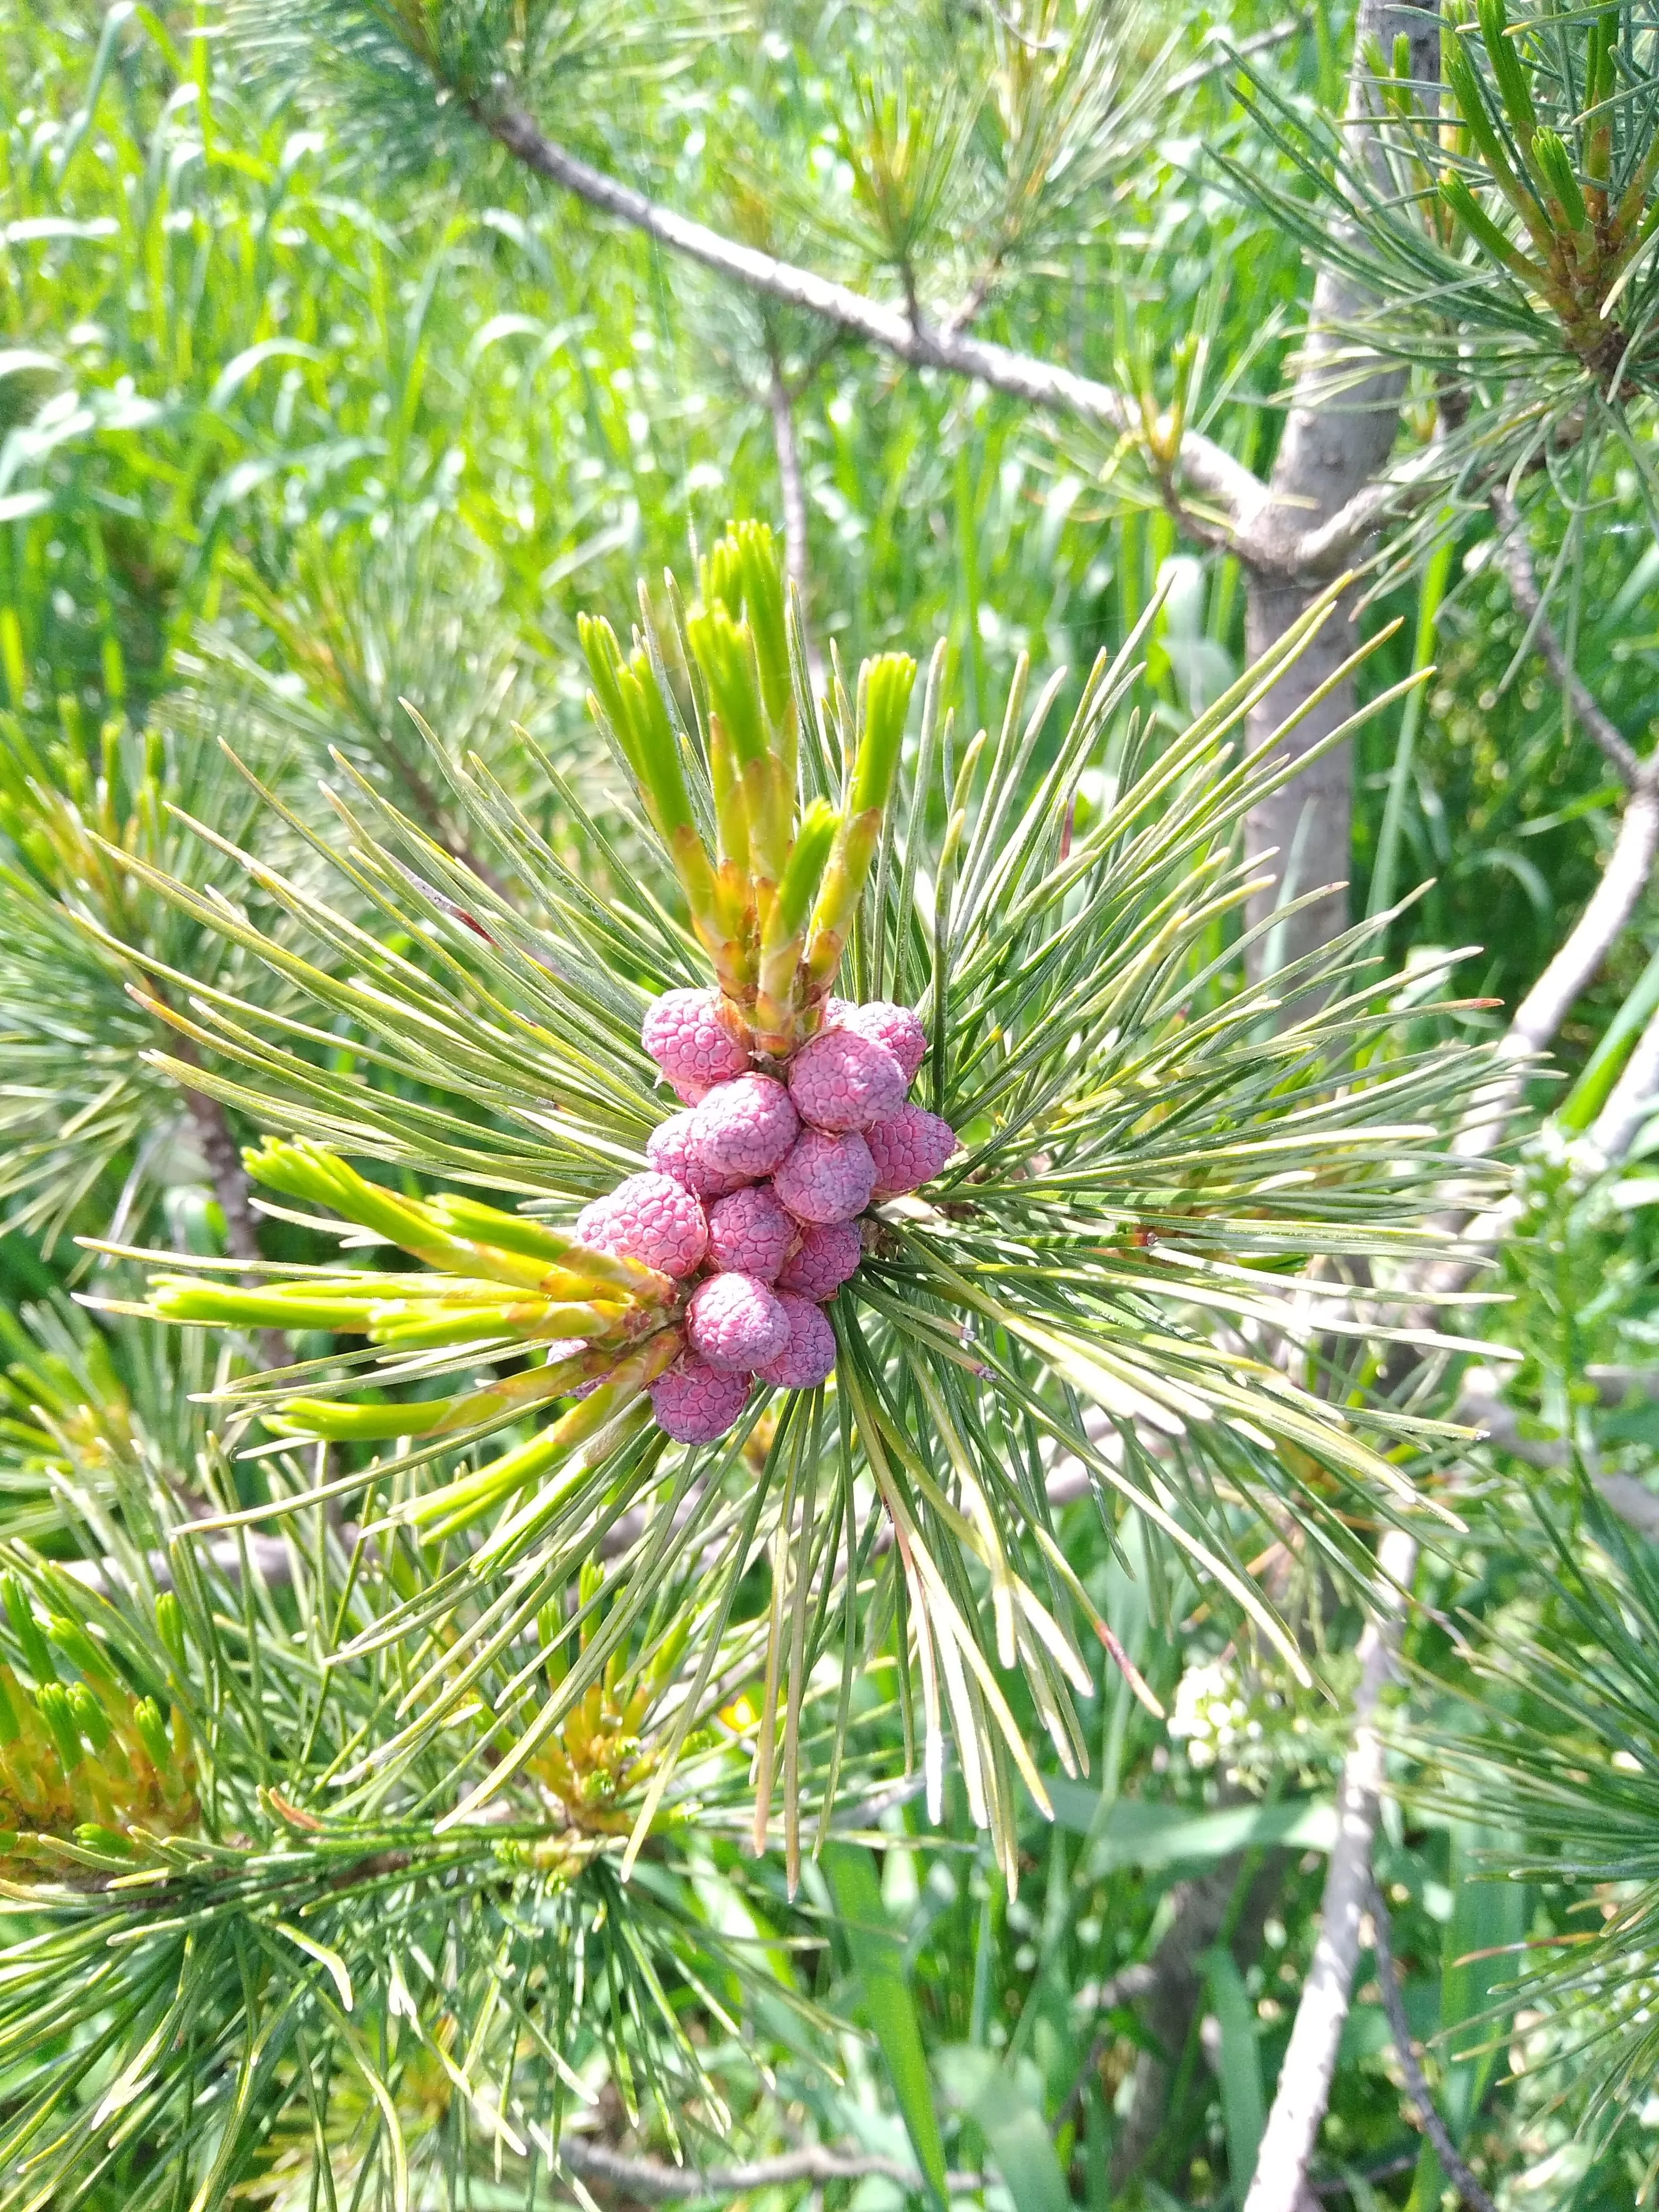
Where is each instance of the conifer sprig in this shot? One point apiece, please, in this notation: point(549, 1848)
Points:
point(1502, 220)
point(205, 1933)
point(1164, 1178)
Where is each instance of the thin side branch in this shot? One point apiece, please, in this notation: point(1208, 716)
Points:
point(1208, 469)
point(1326, 550)
point(232, 1187)
point(1547, 1005)
point(1417, 2088)
point(792, 482)
point(1515, 554)
point(1479, 1406)
point(1632, 1099)
point(1305, 2080)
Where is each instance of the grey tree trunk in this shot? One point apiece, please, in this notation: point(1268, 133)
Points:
point(1338, 437)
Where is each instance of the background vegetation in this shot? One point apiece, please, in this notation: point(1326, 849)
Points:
point(300, 414)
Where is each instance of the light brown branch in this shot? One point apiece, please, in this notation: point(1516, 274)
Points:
point(232, 1187)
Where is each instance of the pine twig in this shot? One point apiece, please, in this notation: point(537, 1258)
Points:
point(1212, 472)
point(1516, 555)
point(1631, 1100)
point(1539, 1017)
point(1417, 2088)
point(1304, 2080)
point(651, 2182)
point(231, 1185)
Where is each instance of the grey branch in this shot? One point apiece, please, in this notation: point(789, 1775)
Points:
point(1516, 555)
point(1304, 2080)
point(1208, 469)
point(1428, 2118)
point(1325, 548)
point(1632, 1099)
point(651, 2182)
point(1547, 1005)
point(1480, 1407)
point(271, 1559)
point(1328, 490)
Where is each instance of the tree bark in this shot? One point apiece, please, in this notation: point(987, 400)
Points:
point(1336, 442)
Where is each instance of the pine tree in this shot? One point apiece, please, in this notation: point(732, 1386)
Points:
point(523, 1664)
point(408, 1736)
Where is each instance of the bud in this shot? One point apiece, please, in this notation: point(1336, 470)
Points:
point(1508, 69)
point(1554, 163)
point(170, 1627)
point(21, 1613)
point(52, 1703)
point(152, 1733)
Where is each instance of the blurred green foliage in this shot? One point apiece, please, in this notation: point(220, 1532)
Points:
point(288, 432)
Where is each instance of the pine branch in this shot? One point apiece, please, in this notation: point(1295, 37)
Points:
point(1282, 2173)
point(1516, 557)
point(1631, 1100)
point(1330, 468)
point(1417, 2088)
point(232, 1187)
point(224, 1165)
point(650, 2182)
point(1539, 1017)
point(1222, 482)
point(1326, 548)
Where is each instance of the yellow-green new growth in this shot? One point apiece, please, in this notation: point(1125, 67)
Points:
point(496, 1274)
point(774, 904)
point(612, 1320)
point(81, 1763)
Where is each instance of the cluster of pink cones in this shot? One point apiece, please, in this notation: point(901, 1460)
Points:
point(756, 1188)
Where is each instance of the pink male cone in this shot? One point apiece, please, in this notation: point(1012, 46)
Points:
point(828, 1256)
point(895, 1027)
point(842, 1081)
point(693, 1037)
point(809, 1358)
point(750, 1233)
point(908, 1150)
point(743, 1129)
point(671, 1151)
point(736, 1321)
point(694, 1403)
point(648, 1217)
point(826, 1178)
